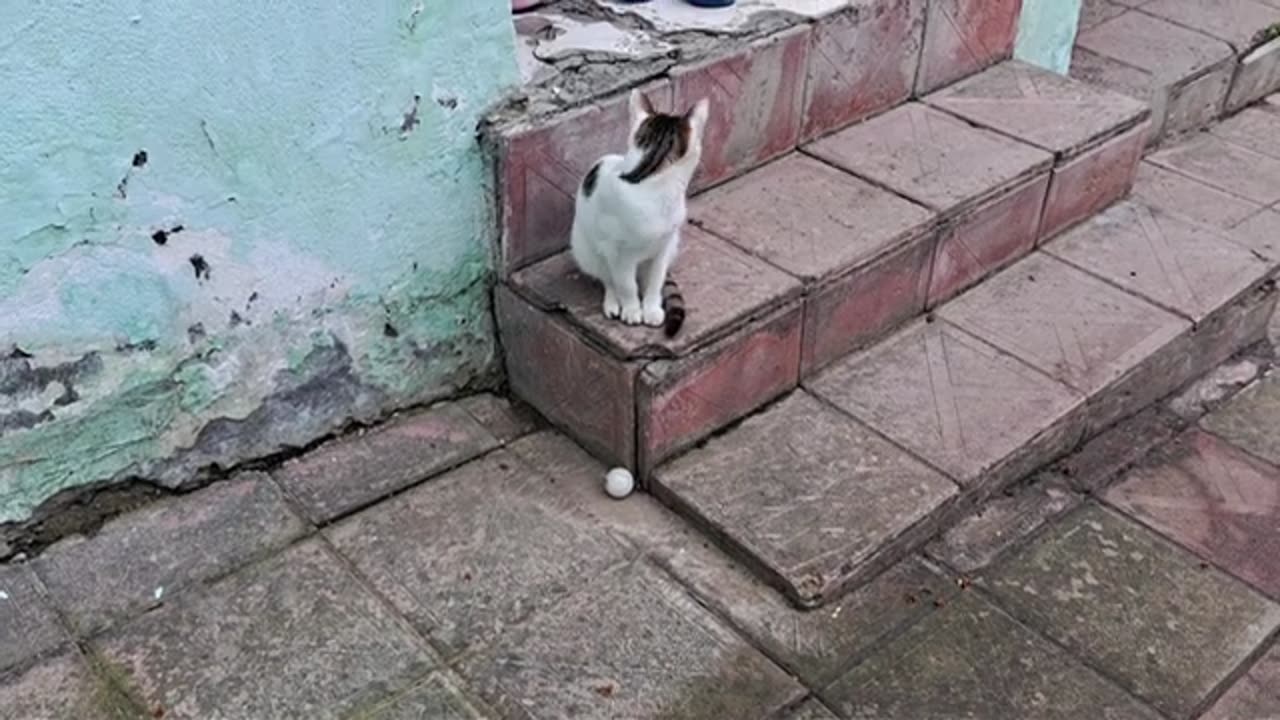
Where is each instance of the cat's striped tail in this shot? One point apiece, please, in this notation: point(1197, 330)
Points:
point(673, 307)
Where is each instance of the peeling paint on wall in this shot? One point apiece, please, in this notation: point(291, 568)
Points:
point(212, 214)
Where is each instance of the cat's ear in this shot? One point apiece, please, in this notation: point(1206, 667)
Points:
point(641, 108)
point(697, 117)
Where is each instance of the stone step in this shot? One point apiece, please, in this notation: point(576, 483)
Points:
point(885, 448)
point(1192, 60)
point(794, 265)
point(775, 80)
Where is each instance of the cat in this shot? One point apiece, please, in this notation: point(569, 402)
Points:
point(629, 212)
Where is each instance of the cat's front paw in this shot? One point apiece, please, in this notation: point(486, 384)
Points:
point(612, 308)
point(632, 314)
point(654, 316)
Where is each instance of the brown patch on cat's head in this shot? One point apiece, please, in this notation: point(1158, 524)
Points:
point(663, 140)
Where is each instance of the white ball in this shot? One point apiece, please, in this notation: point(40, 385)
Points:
point(619, 483)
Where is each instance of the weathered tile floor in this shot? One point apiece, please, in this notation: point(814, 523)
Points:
point(507, 585)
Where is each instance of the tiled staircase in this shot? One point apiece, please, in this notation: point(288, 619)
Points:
point(888, 321)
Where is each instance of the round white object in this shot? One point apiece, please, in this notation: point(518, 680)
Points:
point(619, 483)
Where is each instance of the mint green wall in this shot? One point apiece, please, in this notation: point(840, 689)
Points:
point(1047, 32)
point(345, 226)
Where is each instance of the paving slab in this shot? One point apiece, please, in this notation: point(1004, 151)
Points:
point(1096, 12)
point(439, 697)
point(1184, 76)
point(1225, 165)
point(1136, 607)
point(1041, 108)
point(1234, 21)
point(1253, 129)
point(999, 524)
point(1154, 45)
point(1096, 135)
point(829, 500)
point(1250, 419)
point(28, 625)
point(1213, 499)
point(989, 189)
point(295, 636)
point(861, 61)
point(815, 646)
point(931, 157)
point(62, 688)
point(140, 560)
point(475, 551)
point(963, 36)
point(1190, 269)
point(867, 251)
point(632, 644)
point(1254, 696)
point(355, 470)
point(810, 219)
point(968, 409)
point(1178, 194)
point(723, 287)
point(1078, 329)
point(506, 419)
point(972, 660)
point(1261, 232)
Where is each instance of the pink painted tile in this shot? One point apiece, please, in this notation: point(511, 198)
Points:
point(722, 286)
point(1083, 186)
point(1261, 232)
point(1190, 269)
point(933, 158)
point(808, 218)
point(862, 61)
point(1227, 166)
point(1078, 329)
point(1178, 194)
point(852, 311)
point(970, 410)
point(1232, 21)
point(683, 401)
point(575, 386)
point(1183, 74)
point(1041, 108)
point(541, 165)
point(963, 36)
point(986, 239)
point(826, 502)
point(1214, 499)
point(1256, 130)
point(757, 97)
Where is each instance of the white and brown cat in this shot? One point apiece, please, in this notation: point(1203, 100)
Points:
point(629, 213)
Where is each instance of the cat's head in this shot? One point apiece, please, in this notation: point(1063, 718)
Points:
point(659, 141)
